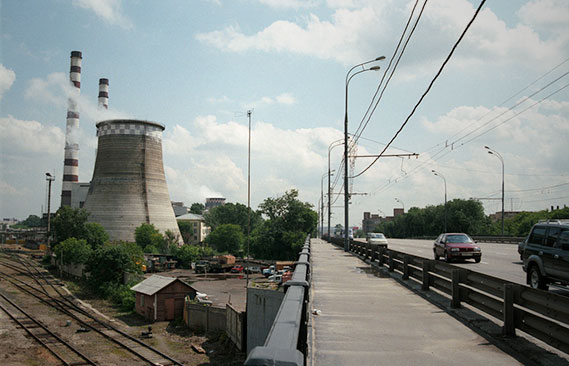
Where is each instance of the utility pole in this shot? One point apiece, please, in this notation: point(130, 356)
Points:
point(248, 199)
point(50, 178)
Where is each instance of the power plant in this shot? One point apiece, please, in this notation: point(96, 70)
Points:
point(129, 187)
point(71, 160)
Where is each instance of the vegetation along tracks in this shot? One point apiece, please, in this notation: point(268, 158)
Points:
point(65, 305)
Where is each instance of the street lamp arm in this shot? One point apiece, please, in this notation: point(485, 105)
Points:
point(362, 65)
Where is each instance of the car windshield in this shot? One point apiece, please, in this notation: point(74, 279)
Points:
point(377, 236)
point(458, 239)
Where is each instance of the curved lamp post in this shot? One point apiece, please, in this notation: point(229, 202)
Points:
point(330, 147)
point(322, 202)
point(442, 176)
point(495, 153)
point(346, 193)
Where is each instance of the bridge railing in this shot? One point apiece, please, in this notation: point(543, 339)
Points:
point(286, 343)
point(541, 314)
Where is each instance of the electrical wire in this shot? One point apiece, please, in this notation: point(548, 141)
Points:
point(428, 88)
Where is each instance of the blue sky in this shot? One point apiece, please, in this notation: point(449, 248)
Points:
point(197, 66)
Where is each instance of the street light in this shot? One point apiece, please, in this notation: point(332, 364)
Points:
point(346, 194)
point(322, 202)
point(401, 202)
point(495, 153)
point(330, 147)
point(248, 199)
point(442, 176)
point(49, 178)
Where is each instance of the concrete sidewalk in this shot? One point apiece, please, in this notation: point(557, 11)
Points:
point(368, 320)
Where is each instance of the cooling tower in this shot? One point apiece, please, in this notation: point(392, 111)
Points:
point(71, 162)
point(128, 186)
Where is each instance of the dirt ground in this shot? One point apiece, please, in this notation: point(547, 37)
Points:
point(172, 338)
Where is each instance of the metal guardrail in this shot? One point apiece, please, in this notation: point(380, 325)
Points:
point(287, 340)
point(541, 314)
point(499, 239)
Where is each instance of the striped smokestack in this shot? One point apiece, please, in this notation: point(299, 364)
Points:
point(104, 93)
point(71, 162)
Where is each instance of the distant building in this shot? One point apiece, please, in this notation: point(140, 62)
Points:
point(201, 230)
point(214, 202)
point(398, 211)
point(507, 214)
point(370, 221)
point(79, 192)
point(179, 208)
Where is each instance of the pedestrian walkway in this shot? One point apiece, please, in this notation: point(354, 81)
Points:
point(368, 320)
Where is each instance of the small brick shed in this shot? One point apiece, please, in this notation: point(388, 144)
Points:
point(161, 298)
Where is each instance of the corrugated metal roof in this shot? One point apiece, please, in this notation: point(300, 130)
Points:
point(190, 216)
point(153, 284)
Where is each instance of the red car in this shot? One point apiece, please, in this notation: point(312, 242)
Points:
point(237, 269)
point(456, 246)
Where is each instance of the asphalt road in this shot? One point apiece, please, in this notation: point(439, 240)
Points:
point(498, 260)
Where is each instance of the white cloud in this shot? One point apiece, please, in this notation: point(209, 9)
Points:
point(286, 98)
point(361, 30)
point(7, 78)
point(551, 15)
point(108, 10)
point(28, 138)
point(294, 4)
point(214, 158)
point(56, 89)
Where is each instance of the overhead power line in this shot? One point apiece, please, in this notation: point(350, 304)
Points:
point(428, 88)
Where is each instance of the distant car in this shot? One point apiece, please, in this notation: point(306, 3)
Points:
point(253, 269)
point(237, 269)
point(456, 246)
point(202, 298)
point(277, 278)
point(545, 253)
point(376, 238)
point(269, 271)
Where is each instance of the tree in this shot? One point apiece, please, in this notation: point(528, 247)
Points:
point(73, 250)
point(108, 263)
point(95, 235)
point(232, 213)
point(227, 238)
point(197, 208)
point(187, 254)
point(187, 230)
point(31, 221)
point(150, 240)
point(288, 223)
point(69, 223)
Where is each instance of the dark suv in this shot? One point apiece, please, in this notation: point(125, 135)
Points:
point(546, 254)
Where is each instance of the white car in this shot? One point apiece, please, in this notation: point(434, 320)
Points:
point(277, 278)
point(376, 238)
point(202, 298)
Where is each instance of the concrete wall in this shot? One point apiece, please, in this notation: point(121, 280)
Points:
point(206, 318)
point(129, 186)
point(262, 308)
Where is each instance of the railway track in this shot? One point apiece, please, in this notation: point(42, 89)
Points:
point(40, 289)
point(56, 345)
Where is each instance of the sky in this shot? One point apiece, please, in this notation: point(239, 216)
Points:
point(198, 66)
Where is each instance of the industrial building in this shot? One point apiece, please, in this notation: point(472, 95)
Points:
point(201, 230)
point(129, 187)
point(212, 202)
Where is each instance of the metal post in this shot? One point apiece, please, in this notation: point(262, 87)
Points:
point(248, 200)
point(330, 147)
point(495, 153)
point(49, 179)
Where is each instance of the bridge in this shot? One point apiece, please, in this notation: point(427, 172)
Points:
point(375, 306)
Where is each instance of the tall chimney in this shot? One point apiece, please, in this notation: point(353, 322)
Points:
point(71, 162)
point(104, 93)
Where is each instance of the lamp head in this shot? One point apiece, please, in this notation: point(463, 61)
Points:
point(374, 68)
point(380, 58)
point(486, 147)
